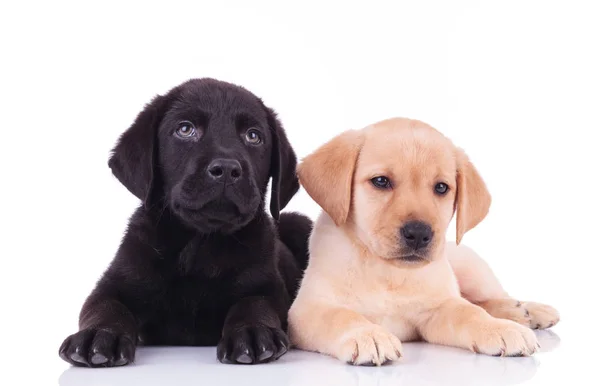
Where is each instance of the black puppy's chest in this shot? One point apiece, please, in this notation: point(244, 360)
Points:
point(195, 299)
point(190, 313)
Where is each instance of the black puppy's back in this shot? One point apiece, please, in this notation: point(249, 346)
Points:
point(294, 231)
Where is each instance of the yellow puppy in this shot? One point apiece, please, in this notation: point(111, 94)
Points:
point(380, 271)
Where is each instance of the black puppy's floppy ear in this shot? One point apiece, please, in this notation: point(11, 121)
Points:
point(284, 182)
point(132, 159)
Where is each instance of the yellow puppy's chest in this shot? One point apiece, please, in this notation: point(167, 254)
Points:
point(394, 313)
point(396, 298)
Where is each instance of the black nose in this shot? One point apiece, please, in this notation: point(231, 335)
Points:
point(225, 169)
point(416, 234)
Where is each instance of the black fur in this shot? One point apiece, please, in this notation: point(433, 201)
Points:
point(201, 262)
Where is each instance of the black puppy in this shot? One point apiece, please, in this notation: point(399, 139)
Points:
point(201, 263)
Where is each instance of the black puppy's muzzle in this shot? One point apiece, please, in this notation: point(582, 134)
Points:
point(218, 194)
point(224, 170)
point(415, 237)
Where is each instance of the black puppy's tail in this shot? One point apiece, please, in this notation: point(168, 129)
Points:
point(294, 231)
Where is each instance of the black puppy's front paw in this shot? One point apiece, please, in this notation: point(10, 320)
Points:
point(97, 348)
point(252, 344)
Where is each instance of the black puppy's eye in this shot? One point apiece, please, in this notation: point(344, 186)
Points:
point(441, 188)
point(381, 182)
point(253, 137)
point(185, 130)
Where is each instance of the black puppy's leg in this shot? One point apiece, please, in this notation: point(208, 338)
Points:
point(106, 338)
point(253, 331)
point(108, 322)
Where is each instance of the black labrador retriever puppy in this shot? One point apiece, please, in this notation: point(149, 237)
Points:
point(201, 263)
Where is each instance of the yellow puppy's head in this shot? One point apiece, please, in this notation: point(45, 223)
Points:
point(395, 186)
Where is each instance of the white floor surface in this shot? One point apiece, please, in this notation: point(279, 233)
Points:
point(423, 364)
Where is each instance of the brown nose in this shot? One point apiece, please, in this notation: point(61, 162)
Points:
point(416, 234)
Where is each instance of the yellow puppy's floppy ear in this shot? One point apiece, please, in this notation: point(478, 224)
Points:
point(472, 198)
point(327, 174)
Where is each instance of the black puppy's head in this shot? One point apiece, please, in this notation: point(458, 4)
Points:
point(206, 150)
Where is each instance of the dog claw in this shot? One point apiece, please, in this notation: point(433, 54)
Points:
point(121, 361)
point(244, 358)
point(98, 359)
point(501, 353)
point(76, 357)
point(265, 355)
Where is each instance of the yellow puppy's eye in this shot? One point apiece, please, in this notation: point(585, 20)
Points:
point(253, 137)
point(185, 130)
point(441, 188)
point(381, 182)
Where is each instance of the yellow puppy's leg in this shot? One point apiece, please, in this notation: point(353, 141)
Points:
point(479, 285)
point(462, 324)
point(343, 334)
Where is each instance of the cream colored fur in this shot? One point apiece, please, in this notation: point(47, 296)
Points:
point(359, 299)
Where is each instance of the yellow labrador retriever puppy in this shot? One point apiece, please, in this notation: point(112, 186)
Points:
point(380, 270)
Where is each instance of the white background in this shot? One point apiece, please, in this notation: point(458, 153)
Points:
point(516, 84)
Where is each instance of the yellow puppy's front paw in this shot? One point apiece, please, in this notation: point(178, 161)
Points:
point(530, 314)
point(503, 338)
point(369, 345)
